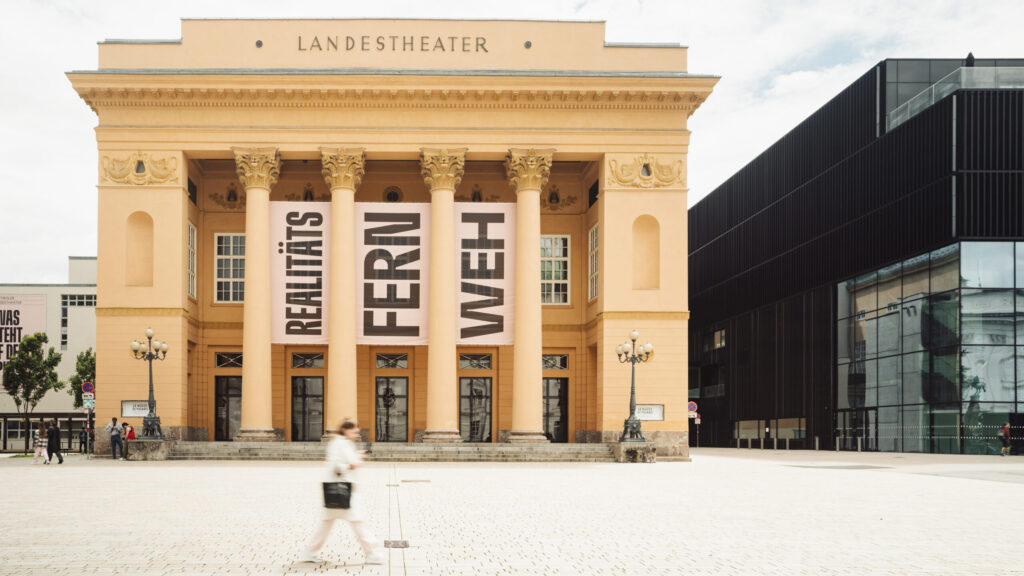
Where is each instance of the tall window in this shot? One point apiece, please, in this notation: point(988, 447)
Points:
point(554, 269)
point(229, 262)
point(191, 260)
point(592, 263)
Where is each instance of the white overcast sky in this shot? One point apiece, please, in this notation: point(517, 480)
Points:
point(778, 61)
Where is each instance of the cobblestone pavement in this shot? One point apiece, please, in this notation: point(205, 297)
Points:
point(727, 512)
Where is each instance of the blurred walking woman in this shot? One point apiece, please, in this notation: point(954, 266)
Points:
point(343, 462)
point(39, 442)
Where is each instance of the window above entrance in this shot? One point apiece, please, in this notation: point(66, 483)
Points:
point(474, 361)
point(307, 360)
point(394, 361)
point(229, 359)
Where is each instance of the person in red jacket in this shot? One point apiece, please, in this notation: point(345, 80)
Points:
point(1004, 434)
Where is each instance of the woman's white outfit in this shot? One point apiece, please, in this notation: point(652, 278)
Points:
point(341, 455)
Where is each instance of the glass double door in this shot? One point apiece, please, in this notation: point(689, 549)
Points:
point(475, 409)
point(556, 409)
point(392, 409)
point(228, 407)
point(307, 408)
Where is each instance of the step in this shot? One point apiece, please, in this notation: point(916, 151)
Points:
point(386, 452)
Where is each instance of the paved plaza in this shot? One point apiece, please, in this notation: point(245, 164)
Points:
point(727, 512)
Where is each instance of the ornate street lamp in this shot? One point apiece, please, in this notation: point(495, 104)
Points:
point(630, 352)
point(149, 351)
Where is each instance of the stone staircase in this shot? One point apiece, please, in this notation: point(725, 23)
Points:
point(395, 452)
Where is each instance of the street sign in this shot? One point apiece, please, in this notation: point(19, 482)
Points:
point(87, 387)
point(89, 404)
point(692, 406)
point(697, 421)
point(692, 415)
point(88, 396)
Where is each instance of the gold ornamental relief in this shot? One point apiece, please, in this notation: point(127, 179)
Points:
point(139, 168)
point(528, 169)
point(442, 168)
point(343, 167)
point(646, 171)
point(257, 167)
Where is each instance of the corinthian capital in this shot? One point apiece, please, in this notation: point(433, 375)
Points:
point(257, 167)
point(343, 167)
point(442, 168)
point(528, 169)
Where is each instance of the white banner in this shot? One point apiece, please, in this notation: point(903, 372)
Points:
point(392, 248)
point(21, 315)
point(300, 239)
point(485, 236)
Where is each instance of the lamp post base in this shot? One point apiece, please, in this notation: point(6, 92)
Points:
point(151, 428)
point(631, 431)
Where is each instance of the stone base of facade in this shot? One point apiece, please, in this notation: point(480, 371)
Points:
point(259, 435)
point(526, 437)
point(442, 436)
point(672, 445)
point(186, 433)
point(635, 452)
point(146, 450)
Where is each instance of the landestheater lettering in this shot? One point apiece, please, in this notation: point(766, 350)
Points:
point(393, 43)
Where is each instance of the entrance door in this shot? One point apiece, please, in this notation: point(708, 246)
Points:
point(307, 408)
point(228, 403)
point(392, 423)
point(475, 409)
point(556, 409)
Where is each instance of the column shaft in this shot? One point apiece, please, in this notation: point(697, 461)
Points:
point(257, 417)
point(342, 397)
point(442, 171)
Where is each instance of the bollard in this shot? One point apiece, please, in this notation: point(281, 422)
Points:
point(837, 444)
point(858, 443)
point(816, 445)
point(775, 443)
point(787, 443)
point(738, 443)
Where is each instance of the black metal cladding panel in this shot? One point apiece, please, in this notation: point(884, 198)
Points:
point(990, 205)
point(990, 130)
point(835, 131)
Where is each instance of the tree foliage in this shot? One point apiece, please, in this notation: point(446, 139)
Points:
point(31, 372)
point(85, 371)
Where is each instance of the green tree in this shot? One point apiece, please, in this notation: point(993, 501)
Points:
point(85, 371)
point(30, 373)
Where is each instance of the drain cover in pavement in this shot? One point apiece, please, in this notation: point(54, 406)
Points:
point(396, 543)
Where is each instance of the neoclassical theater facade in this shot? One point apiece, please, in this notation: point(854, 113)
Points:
point(441, 228)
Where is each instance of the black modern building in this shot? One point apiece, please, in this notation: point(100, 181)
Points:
point(861, 282)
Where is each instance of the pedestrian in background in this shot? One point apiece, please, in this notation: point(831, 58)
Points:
point(127, 433)
point(82, 436)
point(39, 443)
point(1004, 434)
point(115, 439)
point(343, 462)
point(53, 442)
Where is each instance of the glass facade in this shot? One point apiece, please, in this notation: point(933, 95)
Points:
point(930, 351)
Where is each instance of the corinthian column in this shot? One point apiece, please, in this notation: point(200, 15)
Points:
point(258, 170)
point(528, 172)
point(343, 169)
point(442, 171)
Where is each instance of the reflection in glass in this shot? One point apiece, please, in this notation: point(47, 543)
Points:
point(941, 320)
point(945, 263)
point(889, 286)
point(865, 296)
point(914, 372)
point(889, 381)
point(915, 277)
point(1020, 265)
point(889, 431)
point(981, 422)
point(307, 408)
point(843, 386)
point(475, 409)
point(392, 410)
point(556, 409)
point(1019, 298)
point(912, 320)
point(987, 317)
point(865, 338)
point(1020, 377)
point(844, 303)
point(916, 427)
point(943, 382)
point(844, 340)
point(987, 264)
point(889, 333)
point(945, 429)
point(988, 374)
point(228, 406)
point(870, 383)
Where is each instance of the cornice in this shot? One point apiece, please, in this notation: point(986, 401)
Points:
point(684, 98)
